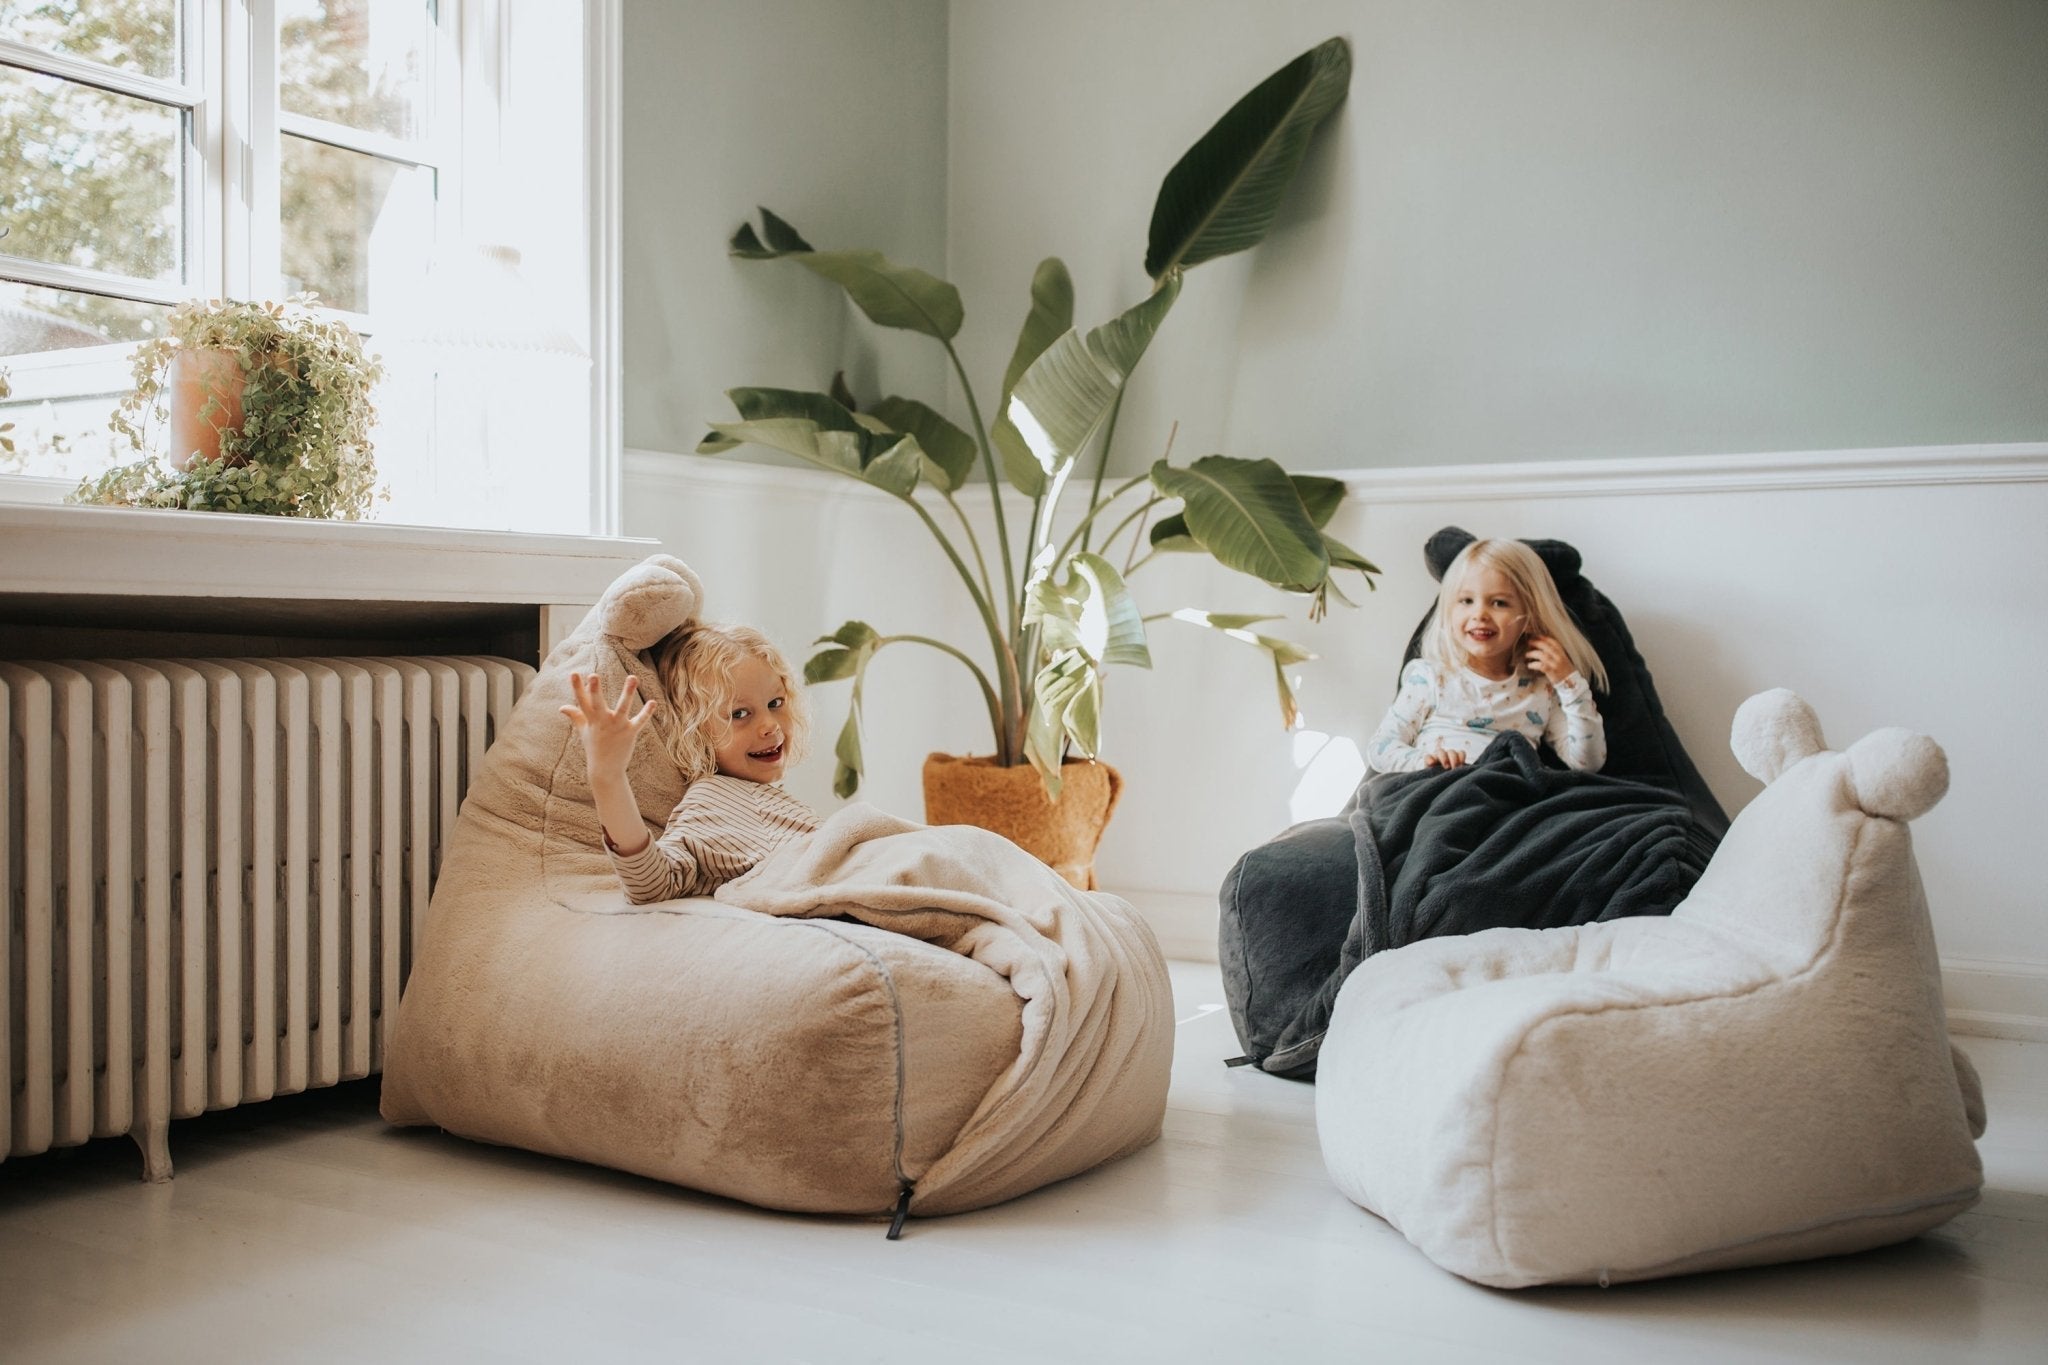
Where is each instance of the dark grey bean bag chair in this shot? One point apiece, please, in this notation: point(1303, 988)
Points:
point(1512, 839)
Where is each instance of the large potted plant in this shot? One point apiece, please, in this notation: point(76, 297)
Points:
point(1056, 607)
point(265, 407)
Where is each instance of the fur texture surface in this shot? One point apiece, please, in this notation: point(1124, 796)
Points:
point(1765, 1075)
point(798, 1063)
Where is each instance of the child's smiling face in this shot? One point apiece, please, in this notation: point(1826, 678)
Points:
point(754, 747)
point(1488, 618)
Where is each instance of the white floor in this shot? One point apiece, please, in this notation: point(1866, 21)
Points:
point(307, 1230)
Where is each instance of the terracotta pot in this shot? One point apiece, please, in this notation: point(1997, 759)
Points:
point(1012, 802)
point(206, 399)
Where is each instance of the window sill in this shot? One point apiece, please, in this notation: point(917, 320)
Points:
point(114, 569)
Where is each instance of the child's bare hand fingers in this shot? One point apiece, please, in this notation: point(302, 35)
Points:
point(646, 709)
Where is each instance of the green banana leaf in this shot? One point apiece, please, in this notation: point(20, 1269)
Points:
point(1320, 496)
point(1282, 652)
point(1247, 514)
point(950, 450)
point(1223, 194)
point(1086, 606)
point(841, 654)
point(1067, 706)
point(886, 460)
point(1065, 394)
point(845, 653)
point(1052, 313)
point(891, 295)
point(1170, 535)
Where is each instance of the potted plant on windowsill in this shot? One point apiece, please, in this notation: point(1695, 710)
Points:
point(266, 409)
point(1055, 609)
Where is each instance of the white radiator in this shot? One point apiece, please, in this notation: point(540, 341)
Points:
point(213, 867)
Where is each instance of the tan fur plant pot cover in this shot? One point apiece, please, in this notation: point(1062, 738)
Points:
point(882, 1005)
point(1012, 802)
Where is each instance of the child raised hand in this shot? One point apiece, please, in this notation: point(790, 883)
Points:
point(609, 734)
point(734, 722)
point(1500, 654)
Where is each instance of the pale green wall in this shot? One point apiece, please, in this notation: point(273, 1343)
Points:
point(831, 113)
point(1542, 229)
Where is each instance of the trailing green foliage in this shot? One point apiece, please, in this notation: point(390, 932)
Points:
point(1063, 612)
point(303, 448)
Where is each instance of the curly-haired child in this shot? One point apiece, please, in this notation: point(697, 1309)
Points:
point(738, 722)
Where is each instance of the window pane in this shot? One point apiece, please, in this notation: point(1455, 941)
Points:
point(362, 63)
point(357, 229)
point(34, 319)
point(136, 35)
point(64, 392)
point(90, 178)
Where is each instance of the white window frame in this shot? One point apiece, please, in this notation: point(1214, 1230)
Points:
point(233, 171)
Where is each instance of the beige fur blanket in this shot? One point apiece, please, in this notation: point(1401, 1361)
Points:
point(1097, 1005)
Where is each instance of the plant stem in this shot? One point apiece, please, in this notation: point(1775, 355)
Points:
point(995, 487)
point(1116, 408)
point(988, 693)
point(1097, 507)
point(1006, 659)
point(974, 542)
point(1137, 536)
point(1140, 510)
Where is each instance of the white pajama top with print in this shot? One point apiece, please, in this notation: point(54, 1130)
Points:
point(1464, 711)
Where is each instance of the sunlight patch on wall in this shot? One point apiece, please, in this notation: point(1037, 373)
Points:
point(1331, 769)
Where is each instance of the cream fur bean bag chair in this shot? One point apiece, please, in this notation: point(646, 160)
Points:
point(1764, 1076)
point(882, 1017)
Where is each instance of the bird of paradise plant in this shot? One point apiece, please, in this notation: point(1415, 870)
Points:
point(1063, 612)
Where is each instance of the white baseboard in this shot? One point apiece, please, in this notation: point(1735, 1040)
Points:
point(1183, 921)
point(1996, 998)
point(1986, 998)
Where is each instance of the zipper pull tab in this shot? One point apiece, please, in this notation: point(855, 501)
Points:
point(902, 1211)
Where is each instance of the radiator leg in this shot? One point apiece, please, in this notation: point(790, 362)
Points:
point(154, 1139)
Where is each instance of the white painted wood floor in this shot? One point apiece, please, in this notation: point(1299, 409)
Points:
point(307, 1230)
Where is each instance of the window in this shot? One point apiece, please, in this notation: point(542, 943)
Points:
point(158, 150)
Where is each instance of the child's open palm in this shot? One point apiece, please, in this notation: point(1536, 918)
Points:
point(608, 732)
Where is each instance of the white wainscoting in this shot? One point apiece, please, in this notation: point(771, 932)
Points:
point(1888, 587)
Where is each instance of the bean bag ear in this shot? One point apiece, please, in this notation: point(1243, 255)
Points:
point(1561, 559)
point(1898, 774)
point(1774, 730)
point(650, 600)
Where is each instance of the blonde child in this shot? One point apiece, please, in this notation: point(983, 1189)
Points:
point(1500, 654)
point(739, 721)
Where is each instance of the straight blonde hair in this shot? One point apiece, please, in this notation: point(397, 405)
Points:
point(695, 663)
point(1525, 569)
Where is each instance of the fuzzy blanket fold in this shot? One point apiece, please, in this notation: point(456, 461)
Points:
point(1097, 1005)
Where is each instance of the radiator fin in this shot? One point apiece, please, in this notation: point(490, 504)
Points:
point(212, 869)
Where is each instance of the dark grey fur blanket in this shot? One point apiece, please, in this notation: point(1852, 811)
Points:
point(1505, 840)
point(1511, 839)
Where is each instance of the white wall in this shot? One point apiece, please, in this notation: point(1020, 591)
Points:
point(1574, 229)
point(832, 115)
point(1583, 231)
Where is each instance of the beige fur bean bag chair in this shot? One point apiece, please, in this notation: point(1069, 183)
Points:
point(1764, 1076)
point(884, 1018)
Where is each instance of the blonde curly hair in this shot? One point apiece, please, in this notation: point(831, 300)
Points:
point(695, 663)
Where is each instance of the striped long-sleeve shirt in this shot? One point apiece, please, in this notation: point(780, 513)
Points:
point(721, 827)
